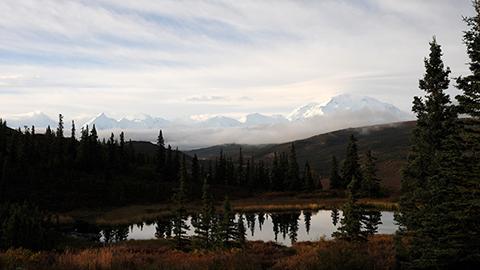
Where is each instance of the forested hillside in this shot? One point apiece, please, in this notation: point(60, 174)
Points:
point(389, 143)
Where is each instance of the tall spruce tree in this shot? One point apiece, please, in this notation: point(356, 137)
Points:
point(308, 178)
point(335, 178)
point(241, 232)
point(469, 107)
point(160, 152)
point(228, 226)
point(60, 126)
point(204, 227)
point(293, 177)
point(351, 223)
point(351, 166)
point(195, 170)
point(430, 193)
point(371, 182)
point(180, 212)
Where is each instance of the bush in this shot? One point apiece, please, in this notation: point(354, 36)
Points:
point(24, 226)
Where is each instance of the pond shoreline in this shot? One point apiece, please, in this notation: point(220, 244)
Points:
point(269, 202)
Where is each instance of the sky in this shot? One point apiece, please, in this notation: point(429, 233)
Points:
point(198, 58)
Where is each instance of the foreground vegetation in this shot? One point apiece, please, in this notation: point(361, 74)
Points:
point(378, 253)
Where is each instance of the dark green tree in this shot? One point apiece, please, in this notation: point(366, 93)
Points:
point(371, 220)
point(60, 126)
point(241, 232)
point(180, 212)
point(371, 182)
point(351, 166)
point(160, 152)
point(469, 107)
point(228, 226)
point(308, 178)
point(430, 191)
point(293, 177)
point(351, 223)
point(204, 226)
point(335, 178)
point(195, 170)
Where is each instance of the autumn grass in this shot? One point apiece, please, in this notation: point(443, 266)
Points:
point(377, 253)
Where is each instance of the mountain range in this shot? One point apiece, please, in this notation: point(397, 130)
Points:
point(341, 105)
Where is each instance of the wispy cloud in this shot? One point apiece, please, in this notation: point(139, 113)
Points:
point(180, 57)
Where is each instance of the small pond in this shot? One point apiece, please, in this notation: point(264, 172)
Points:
point(282, 227)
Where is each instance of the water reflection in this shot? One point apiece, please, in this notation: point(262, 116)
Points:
point(284, 227)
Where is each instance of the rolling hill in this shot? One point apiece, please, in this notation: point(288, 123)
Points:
point(390, 143)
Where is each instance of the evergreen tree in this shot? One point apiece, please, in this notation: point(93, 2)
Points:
point(371, 182)
point(180, 213)
point(160, 152)
point(240, 171)
point(228, 226)
point(469, 106)
point(294, 182)
point(308, 178)
point(72, 134)
point(204, 227)
point(335, 179)
point(351, 223)
point(60, 126)
point(430, 195)
point(371, 221)
point(351, 166)
point(195, 170)
point(241, 232)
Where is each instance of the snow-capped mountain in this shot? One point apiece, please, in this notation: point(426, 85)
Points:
point(144, 121)
point(340, 111)
point(345, 104)
point(37, 119)
point(220, 122)
point(257, 119)
point(102, 121)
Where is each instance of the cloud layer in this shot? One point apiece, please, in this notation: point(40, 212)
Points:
point(180, 58)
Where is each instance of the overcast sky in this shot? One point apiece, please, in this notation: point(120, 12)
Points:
point(181, 58)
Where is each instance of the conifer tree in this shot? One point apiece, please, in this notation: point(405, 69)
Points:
point(180, 213)
point(195, 170)
point(228, 226)
point(371, 221)
point(60, 126)
point(371, 182)
point(351, 166)
point(308, 178)
point(429, 185)
point(469, 107)
point(294, 182)
point(204, 228)
point(160, 152)
point(335, 179)
point(241, 231)
point(351, 223)
point(240, 171)
point(73, 132)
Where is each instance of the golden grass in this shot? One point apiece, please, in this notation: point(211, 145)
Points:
point(378, 253)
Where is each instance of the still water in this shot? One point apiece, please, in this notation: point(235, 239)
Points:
point(283, 228)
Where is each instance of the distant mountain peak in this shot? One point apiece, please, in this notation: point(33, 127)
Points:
point(346, 103)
